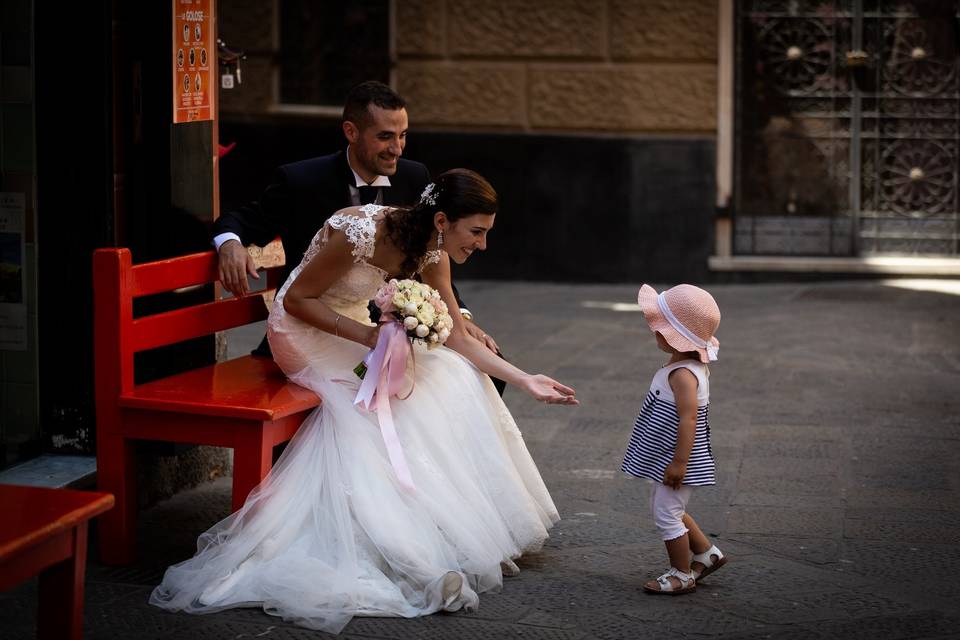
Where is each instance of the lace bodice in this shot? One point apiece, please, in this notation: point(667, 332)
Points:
point(350, 294)
point(361, 231)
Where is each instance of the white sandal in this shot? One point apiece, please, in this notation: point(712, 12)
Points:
point(688, 583)
point(455, 593)
point(711, 559)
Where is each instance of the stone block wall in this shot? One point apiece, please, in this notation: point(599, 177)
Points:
point(630, 66)
point(565, 66)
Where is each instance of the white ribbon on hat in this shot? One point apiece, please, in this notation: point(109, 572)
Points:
point(711, 348)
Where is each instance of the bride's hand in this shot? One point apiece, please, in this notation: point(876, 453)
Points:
point(548, 390)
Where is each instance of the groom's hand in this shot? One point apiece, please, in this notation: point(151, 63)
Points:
point(478, 333)
point(235, 263)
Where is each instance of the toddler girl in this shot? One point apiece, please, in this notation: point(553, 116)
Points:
point(671, 437)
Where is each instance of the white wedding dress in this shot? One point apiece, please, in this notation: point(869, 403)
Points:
point(330, 533)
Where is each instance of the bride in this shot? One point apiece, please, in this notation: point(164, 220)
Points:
point(331, 532)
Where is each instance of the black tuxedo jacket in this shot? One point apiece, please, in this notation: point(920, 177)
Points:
point(304, 194)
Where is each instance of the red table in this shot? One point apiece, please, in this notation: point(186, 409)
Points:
point(45, 531)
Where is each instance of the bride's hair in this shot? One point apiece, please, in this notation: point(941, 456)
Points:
point(458, 193)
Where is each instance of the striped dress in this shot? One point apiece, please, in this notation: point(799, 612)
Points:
point(654, 435)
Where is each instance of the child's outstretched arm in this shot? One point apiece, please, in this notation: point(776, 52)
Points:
point(684, 386)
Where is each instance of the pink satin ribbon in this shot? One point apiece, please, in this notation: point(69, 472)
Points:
point(386, 366)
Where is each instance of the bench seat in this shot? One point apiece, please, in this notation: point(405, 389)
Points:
point(249, 387)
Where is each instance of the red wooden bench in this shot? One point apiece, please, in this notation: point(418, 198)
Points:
point(44, 531)
point(245, 403)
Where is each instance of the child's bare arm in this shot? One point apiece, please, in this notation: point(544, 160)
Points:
point(684, 386)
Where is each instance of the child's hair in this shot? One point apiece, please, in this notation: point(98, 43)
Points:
point(693, 355)
point(686, 316)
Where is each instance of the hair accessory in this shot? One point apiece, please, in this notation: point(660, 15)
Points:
point(429, 195)
point(686, 316)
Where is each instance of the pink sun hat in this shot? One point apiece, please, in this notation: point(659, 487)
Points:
point(686, 316)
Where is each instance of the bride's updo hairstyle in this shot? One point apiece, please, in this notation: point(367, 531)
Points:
point(458, 193)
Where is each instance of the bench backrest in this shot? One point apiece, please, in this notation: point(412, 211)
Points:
point(118, 335)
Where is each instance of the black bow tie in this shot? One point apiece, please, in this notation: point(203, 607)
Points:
point(368, 194)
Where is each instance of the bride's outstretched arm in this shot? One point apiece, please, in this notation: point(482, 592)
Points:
point(301, 300)
point(539, 386)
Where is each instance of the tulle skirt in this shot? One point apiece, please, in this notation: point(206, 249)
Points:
point(330, 533)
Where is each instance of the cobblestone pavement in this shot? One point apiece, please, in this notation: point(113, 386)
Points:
point(836, 426)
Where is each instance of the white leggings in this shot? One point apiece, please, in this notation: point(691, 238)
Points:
point(668, 506)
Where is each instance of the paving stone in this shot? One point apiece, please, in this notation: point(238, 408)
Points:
point(923, 624)
point(444, 627)
point(784, 521)
point(872, 497)
point(763, 499)
point(805, 451)
point(824, 604)
point(900, 531)
point(615, 626)
point(745, 577)
point(18, 611)
point(593, 592)
point(500, 606)
point(823, 486)
point(779, 632)
point(807, 549)
point(896, 563)
point(110, 621)
point(695, 620)
point(213, 629)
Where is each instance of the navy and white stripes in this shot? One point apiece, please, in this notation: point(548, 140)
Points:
point(654, 440)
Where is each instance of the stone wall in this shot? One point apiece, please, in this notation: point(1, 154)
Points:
point(631, 66)
point(567, 65)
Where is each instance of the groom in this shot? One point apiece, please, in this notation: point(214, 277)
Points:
point(304, 194)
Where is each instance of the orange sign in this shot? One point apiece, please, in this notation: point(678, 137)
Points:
point(194, 60)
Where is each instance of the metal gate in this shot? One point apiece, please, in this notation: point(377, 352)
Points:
point(847, 127)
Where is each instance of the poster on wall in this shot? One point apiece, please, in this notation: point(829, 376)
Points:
point(13, 281)
point(194, 60)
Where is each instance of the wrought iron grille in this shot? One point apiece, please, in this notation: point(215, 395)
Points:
point(847, 127)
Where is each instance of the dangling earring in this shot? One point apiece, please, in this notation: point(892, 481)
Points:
point(439, 239)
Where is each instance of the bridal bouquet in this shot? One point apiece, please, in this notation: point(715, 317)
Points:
point(418, 308)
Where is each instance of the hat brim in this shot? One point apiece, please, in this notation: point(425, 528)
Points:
point(647, 299)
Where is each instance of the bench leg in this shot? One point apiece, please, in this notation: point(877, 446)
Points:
point(252, 459)
point(60, 613)
point(116, 474)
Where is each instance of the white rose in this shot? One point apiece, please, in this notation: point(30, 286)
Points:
point(410, 323)
point(425, 315)
point(444, 334)
point(410, 309)
point(422, 330)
